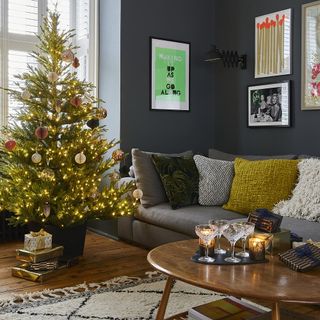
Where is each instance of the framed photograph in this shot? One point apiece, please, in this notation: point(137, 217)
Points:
point(273, 44)
point(310, 56)
point(269, 105)
point(170, 75)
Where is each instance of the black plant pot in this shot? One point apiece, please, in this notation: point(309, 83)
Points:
point(72, 239)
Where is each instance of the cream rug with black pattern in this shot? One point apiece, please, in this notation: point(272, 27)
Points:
point(119, 298)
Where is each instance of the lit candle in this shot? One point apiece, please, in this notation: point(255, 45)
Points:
point(257, 249)
point(202, 247)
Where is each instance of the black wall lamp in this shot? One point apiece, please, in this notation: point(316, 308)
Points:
point(230, 59)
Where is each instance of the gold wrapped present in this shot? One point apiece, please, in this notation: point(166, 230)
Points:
point(40, 255)
point(275, 243)
point(23, 271)
point(34, 241)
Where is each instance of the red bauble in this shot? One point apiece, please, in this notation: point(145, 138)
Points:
point(76, 101)
point(75, 62)
point(10, 145)
point(41, 132)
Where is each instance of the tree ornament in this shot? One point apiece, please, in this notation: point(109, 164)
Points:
point(75, 62)
point(67, 55)
point(117, 155)
point(93, 123)
point(52, 76)
point(47, 174)
point(25, 95)
point(94, 193)
point(10, 145)
point(58, 106)
point(36, 157)
point(46, 209)
point(80, 158)
point(41, 132)
point(101, 113)
point(114, 176)
point(137, 194)
point(76, 101)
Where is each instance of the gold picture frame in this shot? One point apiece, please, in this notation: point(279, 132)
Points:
point(310, 56)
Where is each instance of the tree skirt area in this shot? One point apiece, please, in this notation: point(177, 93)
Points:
point(119, 298)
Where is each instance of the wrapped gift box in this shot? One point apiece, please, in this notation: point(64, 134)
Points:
point(277, 242)
point(34, 241)
point(40, 255)
point(23, 271)
point(302, 258)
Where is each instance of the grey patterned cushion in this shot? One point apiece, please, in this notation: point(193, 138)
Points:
point(215, 180)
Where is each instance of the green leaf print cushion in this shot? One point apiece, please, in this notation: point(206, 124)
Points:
point(180, 179)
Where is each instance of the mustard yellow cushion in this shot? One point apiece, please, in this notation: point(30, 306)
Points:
point(261, 184)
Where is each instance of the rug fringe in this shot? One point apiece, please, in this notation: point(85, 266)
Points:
point(82, 289)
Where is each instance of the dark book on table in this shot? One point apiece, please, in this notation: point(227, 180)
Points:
point(226, 309)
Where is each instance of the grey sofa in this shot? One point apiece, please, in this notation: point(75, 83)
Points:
point(160, 224)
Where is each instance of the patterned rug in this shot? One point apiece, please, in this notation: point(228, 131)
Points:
point(117, 299)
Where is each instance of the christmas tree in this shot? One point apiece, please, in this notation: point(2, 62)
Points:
point(52, 163)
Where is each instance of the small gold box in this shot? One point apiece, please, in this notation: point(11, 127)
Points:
point(40, 255)
point(275, 243)
point(21, 271)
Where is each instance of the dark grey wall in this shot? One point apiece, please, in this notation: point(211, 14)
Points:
point(233, 28)
point(185, 20)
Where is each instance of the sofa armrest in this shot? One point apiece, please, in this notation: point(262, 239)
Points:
point(124, 181)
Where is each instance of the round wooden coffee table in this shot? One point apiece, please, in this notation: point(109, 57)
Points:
point(271, 281)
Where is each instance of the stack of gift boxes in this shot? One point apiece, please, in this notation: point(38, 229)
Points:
point(38, 259)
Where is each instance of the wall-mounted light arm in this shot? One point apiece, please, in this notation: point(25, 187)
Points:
point(230, 59)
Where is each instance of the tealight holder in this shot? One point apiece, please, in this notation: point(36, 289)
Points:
point(257, 249)
point(202, 247)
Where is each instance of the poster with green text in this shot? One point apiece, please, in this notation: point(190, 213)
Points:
point(170, 75)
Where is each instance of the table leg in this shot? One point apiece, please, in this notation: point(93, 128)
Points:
point(165, 298)
point(275, 311)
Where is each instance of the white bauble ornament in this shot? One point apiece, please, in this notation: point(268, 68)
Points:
point(25, 95)
point(52, 76)
point(80, 158)
point(36, 157)
point(137, 194)
point(46, 209)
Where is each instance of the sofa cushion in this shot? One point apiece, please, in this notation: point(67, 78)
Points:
point(261, 184)
point(215, 179)
point(147, 178)
point(180, 179)
point(220, 155)
point(184, 219)
point(305, 200)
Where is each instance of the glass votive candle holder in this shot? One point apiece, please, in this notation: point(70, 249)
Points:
point(202, 247)
point(257, 250)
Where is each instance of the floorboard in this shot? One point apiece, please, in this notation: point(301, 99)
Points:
point(103, 259)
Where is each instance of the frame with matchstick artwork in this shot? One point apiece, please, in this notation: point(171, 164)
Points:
point(273, 44)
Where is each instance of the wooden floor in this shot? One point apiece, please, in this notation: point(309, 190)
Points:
point(103, 259)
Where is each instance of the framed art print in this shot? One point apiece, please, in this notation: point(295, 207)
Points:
point(170, 75)
point(269, 105)
point(273, 44)
point(310, 56)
